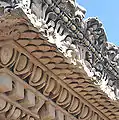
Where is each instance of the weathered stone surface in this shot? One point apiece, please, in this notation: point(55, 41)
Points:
point(18, 91)
point(82, 42)
point(5, 83)
point(29, 100)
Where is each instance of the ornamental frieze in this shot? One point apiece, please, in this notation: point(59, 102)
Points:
point(62, 23)
point(43, 81)
point(48, 63)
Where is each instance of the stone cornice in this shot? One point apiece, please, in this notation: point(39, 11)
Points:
point(37, 75)
point(21, 64)
point(22, 58)
point(25, 107)
point(62, 22)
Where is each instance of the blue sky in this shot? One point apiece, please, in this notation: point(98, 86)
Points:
point(108, 12)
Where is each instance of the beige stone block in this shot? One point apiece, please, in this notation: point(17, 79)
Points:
point(47, 112)
point(5, 83)
point(59, 115)
point(39, 103)
point(50, 111)
point(29, 100)
point(68, 117)
point(18, 91)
